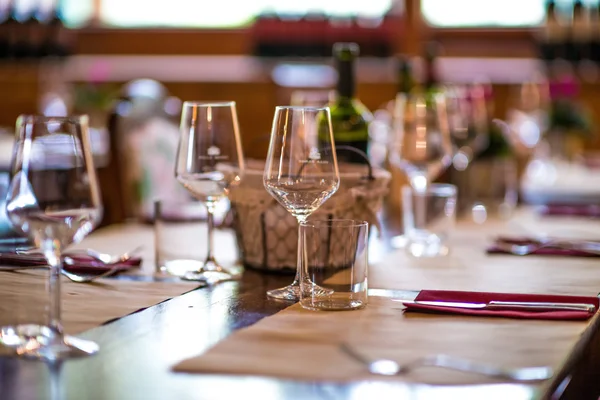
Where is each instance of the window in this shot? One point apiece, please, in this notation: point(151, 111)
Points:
point(478, 13)
point(214, 14)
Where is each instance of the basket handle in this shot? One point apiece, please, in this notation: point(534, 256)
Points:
point(361, 153)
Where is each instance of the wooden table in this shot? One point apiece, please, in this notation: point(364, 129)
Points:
point(138, 351)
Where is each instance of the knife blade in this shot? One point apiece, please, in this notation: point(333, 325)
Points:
point(529, 306)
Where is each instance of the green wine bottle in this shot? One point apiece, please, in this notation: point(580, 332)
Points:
point(406, 80)
point(349, 117)
point(431, 84)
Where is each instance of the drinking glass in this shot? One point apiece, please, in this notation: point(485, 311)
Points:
point(421, 147)
point(54, 199)
point(301, 171)
point(209, 163)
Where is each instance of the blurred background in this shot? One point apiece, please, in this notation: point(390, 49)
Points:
point(130, 63)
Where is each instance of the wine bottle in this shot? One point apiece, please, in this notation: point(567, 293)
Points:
point(431, 84)
point(349, 117)
point(17, 33)
point(58, 41)
point(595, 40)
point(406, 80)
point(580, 33)
point(4, 30)
point(34, 32)
point(553, 37)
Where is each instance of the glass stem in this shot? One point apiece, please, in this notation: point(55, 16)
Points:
point(210, 258)
point(299, 256)
point(52, 253)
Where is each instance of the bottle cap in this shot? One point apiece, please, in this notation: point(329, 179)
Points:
point(346, 50)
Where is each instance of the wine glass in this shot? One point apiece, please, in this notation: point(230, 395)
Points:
point(54, 199)
point(301, 170)
point(209, 163)
point(421, 148)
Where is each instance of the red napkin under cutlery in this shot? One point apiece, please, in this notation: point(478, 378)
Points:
point(548, 250)
point(486, 297)
point(81, 263)
point(576, 210)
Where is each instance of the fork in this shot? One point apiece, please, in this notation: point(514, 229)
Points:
point(387, 367)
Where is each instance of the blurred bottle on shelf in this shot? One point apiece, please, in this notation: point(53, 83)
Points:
point(59, 39)
point(595, 35)
point(33, 30)
point(553, 35)
point(580, 33)
point(4, 29)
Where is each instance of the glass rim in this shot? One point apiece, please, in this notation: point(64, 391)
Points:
point(302, 108)
point(443, 189)
point(196, 103)
point(343, 223)
point(39, 118)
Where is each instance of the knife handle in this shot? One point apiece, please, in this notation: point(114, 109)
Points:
point(542, 306)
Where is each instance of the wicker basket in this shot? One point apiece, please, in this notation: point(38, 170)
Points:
point(268, 234)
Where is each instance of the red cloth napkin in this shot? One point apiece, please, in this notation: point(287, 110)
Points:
point(485, 297)
point(543, 251)
point(83, 263)
point(577, 210)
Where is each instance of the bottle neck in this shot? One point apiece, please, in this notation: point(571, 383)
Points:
point(431, 78)
point(346, 85)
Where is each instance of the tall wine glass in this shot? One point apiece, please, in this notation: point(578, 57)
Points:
point(421, 147)
point(54, 199)
point(209, 163)
point(301, 170)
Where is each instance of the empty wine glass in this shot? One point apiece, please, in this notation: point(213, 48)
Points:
point(209, 163)
point(54, 199)
point(421, 148)
point(301, 170)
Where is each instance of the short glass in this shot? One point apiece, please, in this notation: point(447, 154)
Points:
point(179, 239)
point(493, 189)
point(333, 264)
point(429, 219)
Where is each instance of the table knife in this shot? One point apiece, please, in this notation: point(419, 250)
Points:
point(523, 305)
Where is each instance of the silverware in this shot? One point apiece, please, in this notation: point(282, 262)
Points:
point(78, 278)
point(524, 249)
point(104, 258)
point(390, 367)
point(495, 305)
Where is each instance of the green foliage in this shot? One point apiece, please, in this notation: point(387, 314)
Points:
point(98, 97)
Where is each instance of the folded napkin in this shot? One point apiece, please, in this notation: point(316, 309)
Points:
point(497, 248)
point(577, 210)
point(81, 263)
point(485, 297)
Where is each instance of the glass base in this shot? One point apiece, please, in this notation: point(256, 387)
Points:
point(291, 292)
point(332, 304)
point(398, 242)
point(422, 243)
point(40, 342)
point(211, 273)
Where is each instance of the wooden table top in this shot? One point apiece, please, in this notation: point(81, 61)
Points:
point(138, 351)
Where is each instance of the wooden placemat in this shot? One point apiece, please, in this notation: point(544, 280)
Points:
point(24, 299)
point(300, 344)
